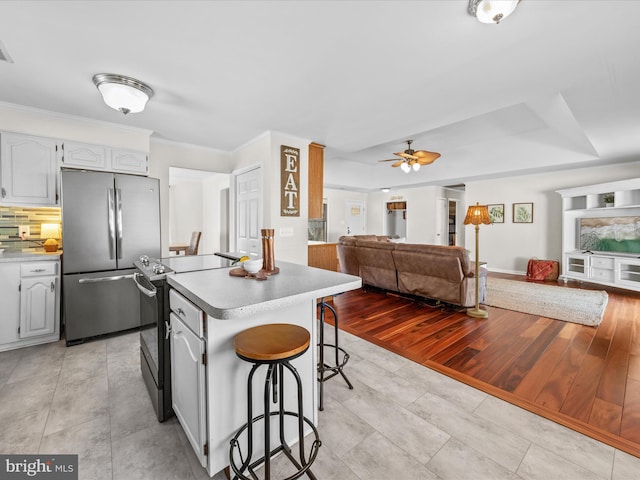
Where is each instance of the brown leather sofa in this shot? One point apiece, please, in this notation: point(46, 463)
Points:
point(433, 271)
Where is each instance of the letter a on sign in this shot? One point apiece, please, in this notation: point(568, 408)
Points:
point(289, 181)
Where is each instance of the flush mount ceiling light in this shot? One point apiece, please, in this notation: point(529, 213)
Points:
point(121, 93)
point(492, 11)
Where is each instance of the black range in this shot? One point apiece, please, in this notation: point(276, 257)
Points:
point(155, 357)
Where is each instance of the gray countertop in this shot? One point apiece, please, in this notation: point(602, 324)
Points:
point(29, 256)
point(226, 297)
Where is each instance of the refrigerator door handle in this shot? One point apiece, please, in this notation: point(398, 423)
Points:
point(105, 279)
point(119, 222)
point(112, 223)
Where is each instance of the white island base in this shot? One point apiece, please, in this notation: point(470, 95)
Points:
point(210, 399)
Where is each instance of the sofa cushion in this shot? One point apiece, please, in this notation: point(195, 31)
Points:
point(377, 267)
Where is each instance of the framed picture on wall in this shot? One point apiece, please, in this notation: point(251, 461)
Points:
point(523, 213)
point(496, 212)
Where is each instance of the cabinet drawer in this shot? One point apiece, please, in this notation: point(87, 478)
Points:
point(33, 269)
point(602, 275)
point(602, 262)
point(187, 312)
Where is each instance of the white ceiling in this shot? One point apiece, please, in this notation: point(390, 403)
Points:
point(554, 85)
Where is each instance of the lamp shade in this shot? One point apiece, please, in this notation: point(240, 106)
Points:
point(415, 166)
point(406, 168)
point(477, 214)
point(492, 11)
point(49, 230)
point(121, 93)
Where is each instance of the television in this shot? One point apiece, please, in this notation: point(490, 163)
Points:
point(610, 234)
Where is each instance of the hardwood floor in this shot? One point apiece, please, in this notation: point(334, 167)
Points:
point(586, 378)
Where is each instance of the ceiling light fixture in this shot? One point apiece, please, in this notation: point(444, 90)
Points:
point(415, 166)
point(121, 93)
point(492, 11)
point(406, 168)
point(385, 189)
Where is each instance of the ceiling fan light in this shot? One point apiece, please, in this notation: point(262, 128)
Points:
point(121, 93)
point(492, 11)
point(416, 167)
point(405, 167)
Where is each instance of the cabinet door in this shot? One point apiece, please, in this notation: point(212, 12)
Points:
point(38, 306)
point(188, 384)
point(28, 169)
point(9, 302)
point(84, 155)
point(128, 161)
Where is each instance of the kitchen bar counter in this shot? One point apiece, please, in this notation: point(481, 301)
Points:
point(225, 297)
point(231, 305)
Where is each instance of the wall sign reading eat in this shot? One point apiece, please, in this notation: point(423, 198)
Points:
point(289, 181)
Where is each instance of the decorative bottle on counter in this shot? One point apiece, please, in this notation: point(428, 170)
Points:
point(268, 258)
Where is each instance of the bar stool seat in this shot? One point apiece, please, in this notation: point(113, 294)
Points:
point(273, 342)
point(273, 345)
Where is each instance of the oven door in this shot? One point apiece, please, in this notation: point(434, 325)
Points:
point(150, 318)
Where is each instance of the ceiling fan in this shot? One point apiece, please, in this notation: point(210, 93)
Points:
point(412, 159)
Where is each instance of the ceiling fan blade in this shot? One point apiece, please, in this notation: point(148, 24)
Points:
point(406, 155)
point(398, 163)
point(389, 160)
point(425, 157)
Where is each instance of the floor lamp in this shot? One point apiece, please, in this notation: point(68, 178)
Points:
point(477, 214)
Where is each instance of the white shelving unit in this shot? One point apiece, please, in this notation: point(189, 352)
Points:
point(615, 269)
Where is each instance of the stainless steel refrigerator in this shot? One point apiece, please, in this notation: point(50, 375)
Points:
point(108, 221)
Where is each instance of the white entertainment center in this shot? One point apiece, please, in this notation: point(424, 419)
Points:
point(619, 269)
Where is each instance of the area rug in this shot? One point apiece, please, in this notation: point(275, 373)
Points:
point(569, 304)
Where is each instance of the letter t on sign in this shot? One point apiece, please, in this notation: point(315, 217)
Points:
point(289, 181)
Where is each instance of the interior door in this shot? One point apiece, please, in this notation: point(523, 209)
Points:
point(354, 217)
point(248, 207)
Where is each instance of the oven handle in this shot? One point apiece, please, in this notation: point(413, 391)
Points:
point(142, 288)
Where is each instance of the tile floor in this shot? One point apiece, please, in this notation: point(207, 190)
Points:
point(402, 421)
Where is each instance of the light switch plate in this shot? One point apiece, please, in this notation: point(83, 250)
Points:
point(286, 231)
point(24, 230)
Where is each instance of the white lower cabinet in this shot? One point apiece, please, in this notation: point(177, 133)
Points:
point(188, 375)
point(38, 306)
point(612, 270)
point(30, 303)
point(627, 272)
point(9, 303)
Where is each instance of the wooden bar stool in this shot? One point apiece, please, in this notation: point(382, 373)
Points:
point(341, 357)
point(273, 345)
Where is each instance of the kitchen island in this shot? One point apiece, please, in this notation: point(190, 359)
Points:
point(208, 309)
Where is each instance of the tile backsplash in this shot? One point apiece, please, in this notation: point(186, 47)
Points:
point(12, 217)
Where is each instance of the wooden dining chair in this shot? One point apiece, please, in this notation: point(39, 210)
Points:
point(193, 245)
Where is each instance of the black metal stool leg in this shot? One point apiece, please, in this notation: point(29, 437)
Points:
point(322, 366)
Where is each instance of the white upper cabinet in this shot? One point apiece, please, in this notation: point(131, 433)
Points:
point(96, 157)
point(128, 161)
point(75, 154)
point(28, 170)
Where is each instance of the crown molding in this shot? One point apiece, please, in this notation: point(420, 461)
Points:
point(76, 118)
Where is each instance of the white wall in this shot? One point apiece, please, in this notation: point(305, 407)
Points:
point(336, 211)
point(185, 211)
point(163, 155)
point(507, 246)
point(264, 151)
